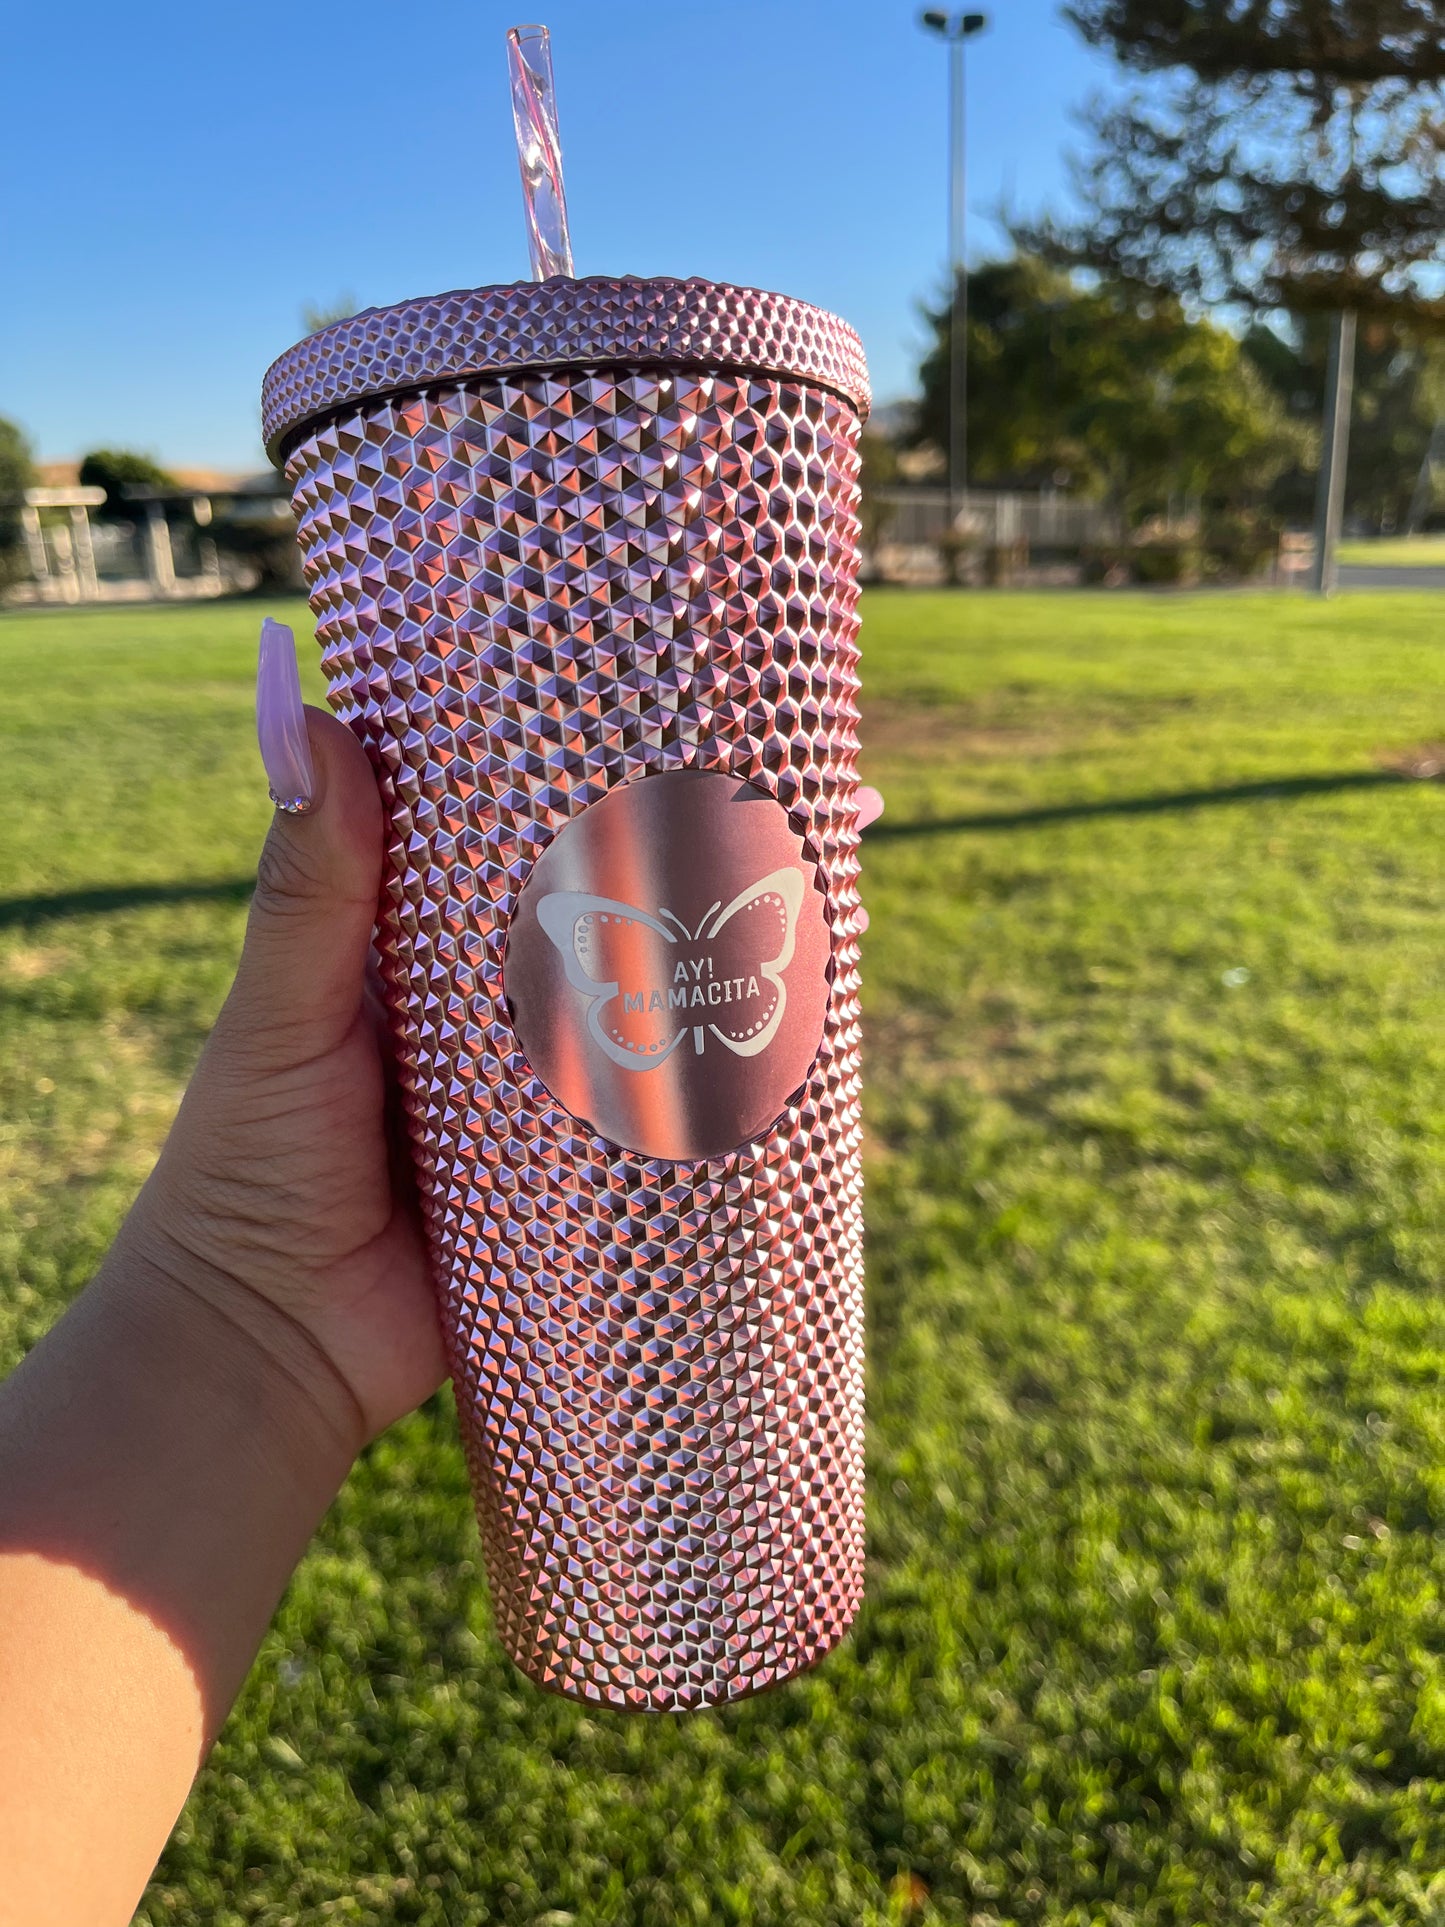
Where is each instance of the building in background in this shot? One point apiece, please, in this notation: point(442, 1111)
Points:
point(211, 534)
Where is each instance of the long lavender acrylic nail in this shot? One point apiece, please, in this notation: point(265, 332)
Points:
point(281, 721)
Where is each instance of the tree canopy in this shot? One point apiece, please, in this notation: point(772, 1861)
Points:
point(1284, 154)
point(1108, 392)
point(1337, 42)
point(1399, 395)
point(116, 469)
point(17, 473)
point(320, 314)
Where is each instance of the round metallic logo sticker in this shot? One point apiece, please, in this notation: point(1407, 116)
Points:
point(667, 966)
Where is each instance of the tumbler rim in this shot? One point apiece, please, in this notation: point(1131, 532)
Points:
point(540, 326)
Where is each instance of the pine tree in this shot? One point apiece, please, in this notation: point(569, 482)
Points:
point(1285, 153)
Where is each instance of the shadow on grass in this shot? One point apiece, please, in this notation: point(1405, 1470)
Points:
point(18, 913)
point(1271, 787)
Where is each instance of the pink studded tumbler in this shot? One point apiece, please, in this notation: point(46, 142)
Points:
point(583, 561)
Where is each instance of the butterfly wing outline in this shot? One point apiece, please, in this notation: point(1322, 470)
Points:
point(593, 936)
point(764, 926)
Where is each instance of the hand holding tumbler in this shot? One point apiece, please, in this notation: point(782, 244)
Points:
point(582, 555)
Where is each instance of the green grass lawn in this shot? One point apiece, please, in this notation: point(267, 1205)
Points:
point(1396, 551)
point(1156, 1024)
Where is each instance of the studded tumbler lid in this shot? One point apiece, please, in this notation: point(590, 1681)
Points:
point(559, 323)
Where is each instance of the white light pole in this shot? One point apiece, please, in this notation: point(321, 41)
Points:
point(1334, 453)
point(955, 29)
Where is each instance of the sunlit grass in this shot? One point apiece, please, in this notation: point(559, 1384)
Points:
point(1395, 551)
point(1156, 1027)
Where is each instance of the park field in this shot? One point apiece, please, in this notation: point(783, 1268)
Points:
point(1155, 1006)
point(1394, 552)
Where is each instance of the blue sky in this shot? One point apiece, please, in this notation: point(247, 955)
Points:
point(180, 182)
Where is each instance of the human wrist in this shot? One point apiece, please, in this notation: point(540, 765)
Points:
point(167, 1452)
point(225, 1342)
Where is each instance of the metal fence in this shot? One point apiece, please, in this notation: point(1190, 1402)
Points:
point(1044, 519)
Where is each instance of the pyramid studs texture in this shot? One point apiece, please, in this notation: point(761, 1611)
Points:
point(529, 589)
point(557, 323)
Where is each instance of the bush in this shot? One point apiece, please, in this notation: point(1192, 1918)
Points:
point(115, 470)
point(1165, 564)
point(1003, 562)
point(955, 549)
point(17, 473)
point(1238, 542)
point(262, 542)
point(1104, 565)
point(878, 469)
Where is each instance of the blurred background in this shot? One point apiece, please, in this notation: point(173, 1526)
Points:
point(1148, 375)
point(1154, 530)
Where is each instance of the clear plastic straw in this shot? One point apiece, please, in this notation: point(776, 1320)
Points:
point(539, 150)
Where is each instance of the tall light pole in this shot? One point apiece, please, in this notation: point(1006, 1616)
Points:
point(1334, 453)
point(956, 28)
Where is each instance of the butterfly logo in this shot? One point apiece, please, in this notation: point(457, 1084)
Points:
point(649, 980)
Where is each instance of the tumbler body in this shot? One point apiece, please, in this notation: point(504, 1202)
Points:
point(560, 541)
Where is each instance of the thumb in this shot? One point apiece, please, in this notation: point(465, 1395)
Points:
point(301, 981)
